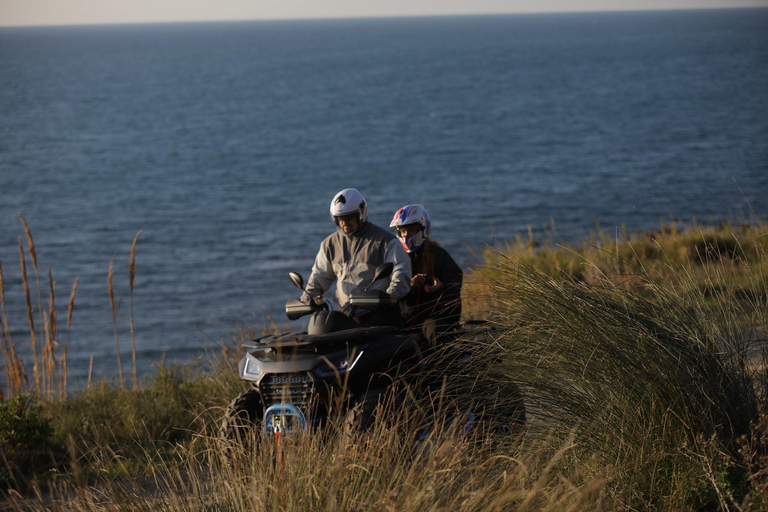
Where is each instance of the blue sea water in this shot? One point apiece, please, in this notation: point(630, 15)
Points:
point(224, 143)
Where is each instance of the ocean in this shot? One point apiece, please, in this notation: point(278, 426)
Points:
point(223, 143)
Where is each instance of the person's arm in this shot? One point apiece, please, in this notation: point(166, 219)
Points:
point(321, 278)
point(451, 295)
point(453, 274)
point(447, 274)
point(400, 281)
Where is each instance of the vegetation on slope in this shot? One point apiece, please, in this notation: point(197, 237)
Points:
point(640, 361)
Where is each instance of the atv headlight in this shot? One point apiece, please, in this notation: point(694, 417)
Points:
point(251, 369)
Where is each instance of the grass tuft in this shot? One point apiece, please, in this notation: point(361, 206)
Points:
point(650, 369)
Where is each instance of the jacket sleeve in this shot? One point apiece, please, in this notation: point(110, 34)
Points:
point(322, 276)
point(446, 303)
point(452, 273)
point(400, 281)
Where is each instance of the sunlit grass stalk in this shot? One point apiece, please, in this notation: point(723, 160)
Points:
point(63, 358)
point(45, 390)
point(51, 338)
point(30, 317)
point(132, 278)
point(41, 378)
point(90, 372)
point(45, 356)
point(113, 307)
point(5, 334)
point(14, 367)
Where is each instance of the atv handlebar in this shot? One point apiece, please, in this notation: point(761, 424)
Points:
point(296, 309)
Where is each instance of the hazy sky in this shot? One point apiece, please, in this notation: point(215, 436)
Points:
point(48, 12)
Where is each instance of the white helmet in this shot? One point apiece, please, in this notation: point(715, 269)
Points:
point(412, 214)
point(348, 201)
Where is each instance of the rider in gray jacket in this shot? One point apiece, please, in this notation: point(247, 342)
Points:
point(351, 254)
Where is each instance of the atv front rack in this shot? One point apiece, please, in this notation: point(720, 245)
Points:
point(296, 339)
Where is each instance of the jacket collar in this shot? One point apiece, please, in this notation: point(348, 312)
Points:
point(357, 233)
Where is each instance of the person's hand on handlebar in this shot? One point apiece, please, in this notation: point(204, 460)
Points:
point(307, 299)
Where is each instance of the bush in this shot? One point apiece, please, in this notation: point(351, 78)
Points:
point(26, 443)
point(123, 430)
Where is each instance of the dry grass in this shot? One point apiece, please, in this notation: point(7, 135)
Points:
point(385, 469)
point(63, 356)
point(649, 365)
point(14, 366)
point(631, 355)
point(49, 365)
point(113, 307)
point(132, 279)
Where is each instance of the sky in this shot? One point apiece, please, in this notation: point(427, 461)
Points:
point(77, 12)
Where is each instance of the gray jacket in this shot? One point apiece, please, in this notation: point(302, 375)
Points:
point(350, 261)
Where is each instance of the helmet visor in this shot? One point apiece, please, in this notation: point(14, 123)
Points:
point(354, 216)
point(408, 230)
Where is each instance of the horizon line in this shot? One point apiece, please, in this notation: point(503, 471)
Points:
point(375, 17)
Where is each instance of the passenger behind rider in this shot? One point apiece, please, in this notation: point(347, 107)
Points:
point(350, 255)
point(434, 301)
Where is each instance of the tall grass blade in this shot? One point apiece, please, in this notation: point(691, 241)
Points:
point(70, 310)
point(15, 371)
point(752, 210)
point(132, 277)
point(6, 333)
point(33, 257)
point(51, 337)
point(114, 319)
point(90, 372)
point(31, 317)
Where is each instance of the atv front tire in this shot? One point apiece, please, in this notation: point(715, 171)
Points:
point(242, 417)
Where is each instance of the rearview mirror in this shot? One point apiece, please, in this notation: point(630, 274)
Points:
point(297, 280)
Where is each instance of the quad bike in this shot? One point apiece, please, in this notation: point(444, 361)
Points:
point(340, 363)
point(342, 366)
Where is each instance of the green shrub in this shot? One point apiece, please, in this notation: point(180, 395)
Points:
point(125, 429)
point(26, 443)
